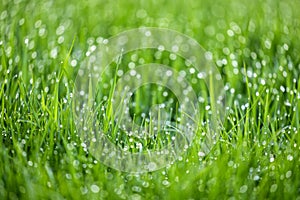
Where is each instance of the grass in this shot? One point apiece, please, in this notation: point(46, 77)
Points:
point(255, 46)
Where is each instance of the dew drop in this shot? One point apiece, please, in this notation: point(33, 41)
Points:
point(290, 158)
point(243, 189)
point(273, 188)
point(288, 174)
point(95, 188)
point(166, 183)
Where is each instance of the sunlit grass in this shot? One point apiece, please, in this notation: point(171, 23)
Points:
point(255, 46)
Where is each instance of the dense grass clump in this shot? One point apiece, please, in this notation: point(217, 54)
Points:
point(255, 46)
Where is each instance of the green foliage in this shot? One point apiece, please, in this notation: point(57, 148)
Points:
point(255, 45)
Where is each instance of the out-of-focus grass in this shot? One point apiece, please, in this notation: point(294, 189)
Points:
point(255, 46)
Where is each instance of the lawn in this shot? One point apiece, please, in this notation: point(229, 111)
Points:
point(255, 153)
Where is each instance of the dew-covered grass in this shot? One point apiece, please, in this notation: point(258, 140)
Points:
point(255, 45)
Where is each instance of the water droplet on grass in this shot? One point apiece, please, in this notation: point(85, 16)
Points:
point(22, 21)
point(288, 174)
point(201, 154)
point(95, 188)
point(290, 158)
point(73, 63)
point(256, 178)
point(151, 166)
point(30, 163)
point(135, 197)
point(166, 183)
point(60, 30)
point(273, 188)
point(136, 188)
point(53, 53)
point(68, 176)
point(172, 56)
point(60, 39)
point(207, 107)
point(230, 163)
point(243, 189)
point(84, 190)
